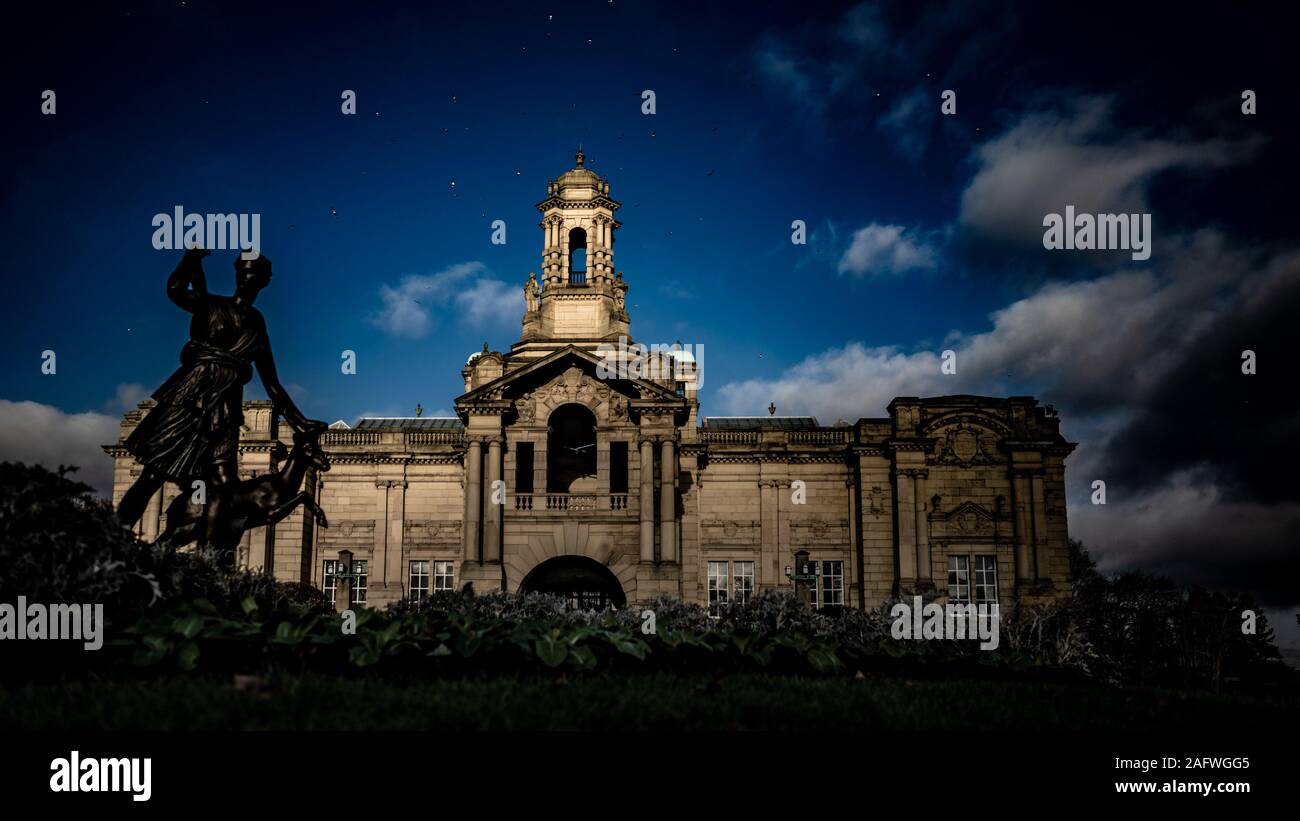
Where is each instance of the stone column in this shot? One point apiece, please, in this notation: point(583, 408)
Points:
point(491, 509)
point(153, 513)
point(604, 248)
point(566, 266)
point(473, 498)
point(647, 499)
point(924, 568)
point(668, 500)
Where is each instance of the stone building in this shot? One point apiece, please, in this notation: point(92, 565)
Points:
point(577, 463)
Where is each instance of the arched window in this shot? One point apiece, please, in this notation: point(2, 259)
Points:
point(571, 450)
point(577, 257)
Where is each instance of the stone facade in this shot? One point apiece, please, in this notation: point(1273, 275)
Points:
point(572, 465)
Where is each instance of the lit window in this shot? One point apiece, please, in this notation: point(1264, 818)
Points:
point(419, 586)
point(329, 581)
point(743, 579)
point(828, 589)
point(959, 579)
point(444, 576)
point(986, 580)
point(359, 581)
point(717, 586)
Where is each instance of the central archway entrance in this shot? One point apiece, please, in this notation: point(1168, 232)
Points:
point(586, 583)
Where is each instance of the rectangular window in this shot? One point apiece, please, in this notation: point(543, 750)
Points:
point(330, 585)
point(524, 467)
point(717, 586)
point(959, 579)
point(359, 581)
point(444, 576)
point(618, 467)
point(743, 579)
point(419, 586)
point(831, 584)
point(681, 388)
point(986, 580)
point(329, 582)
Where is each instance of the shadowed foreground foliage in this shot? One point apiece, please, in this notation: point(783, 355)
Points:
point(651, 702)
point(180, 612)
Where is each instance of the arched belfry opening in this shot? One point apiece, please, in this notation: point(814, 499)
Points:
point(578, 257)
point(571, 450)
point(586, 583)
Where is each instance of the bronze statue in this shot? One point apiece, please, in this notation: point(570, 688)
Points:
point(258, 502)
point(192, 433)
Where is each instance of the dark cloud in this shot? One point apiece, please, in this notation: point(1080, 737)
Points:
point(1241, 432)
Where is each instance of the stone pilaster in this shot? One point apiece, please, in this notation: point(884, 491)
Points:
point(905, 505)
point(647, 469)
point(924, 567)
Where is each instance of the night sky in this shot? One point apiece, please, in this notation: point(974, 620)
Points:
point(924, 229)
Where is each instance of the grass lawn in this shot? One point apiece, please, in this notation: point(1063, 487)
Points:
point(660, 702)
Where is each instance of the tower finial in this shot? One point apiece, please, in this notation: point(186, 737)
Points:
point(579, 157)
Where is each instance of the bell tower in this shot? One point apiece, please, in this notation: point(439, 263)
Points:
point(580, 298)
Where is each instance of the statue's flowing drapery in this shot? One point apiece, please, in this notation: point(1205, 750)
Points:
point(195, 424)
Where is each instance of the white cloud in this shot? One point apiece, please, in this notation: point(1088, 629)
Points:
point(44, 435)
point(408, 309)
point(886, 249)
point(490, 300)
point(1050, 160)
point(1094, 345)
point(127, 396)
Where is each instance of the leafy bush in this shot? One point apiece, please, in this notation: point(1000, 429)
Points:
point(59, 544)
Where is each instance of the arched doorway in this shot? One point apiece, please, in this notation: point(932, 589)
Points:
point(586, 583)
point(571, 450)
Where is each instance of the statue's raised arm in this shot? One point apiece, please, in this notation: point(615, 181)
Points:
point(187, 286)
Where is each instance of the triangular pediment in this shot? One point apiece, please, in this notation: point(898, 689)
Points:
point(968, 510)
point(546, 370)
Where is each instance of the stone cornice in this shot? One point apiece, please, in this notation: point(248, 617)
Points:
point(387, 459)
point(908, 445)
point(484, 407)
